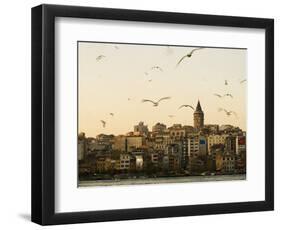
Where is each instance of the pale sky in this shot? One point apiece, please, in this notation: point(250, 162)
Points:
point(106, 85)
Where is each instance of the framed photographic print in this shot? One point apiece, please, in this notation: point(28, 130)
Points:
point(143, 114)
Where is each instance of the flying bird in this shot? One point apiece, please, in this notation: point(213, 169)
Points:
point(103, 123)
point(217, 95)
point(228, 113)
point(116, 47)
point(157, 102)
point(150, 80)
point(146, 73)
point(244, 80)
point(100, 57)
point(112, 114)
point(186, 106)
point(171, 116)
point(156, 68)
point(189, 55)
point(228, 95)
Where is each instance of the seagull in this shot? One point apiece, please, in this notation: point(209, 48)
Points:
point(218, 95)
point(156, 68)
point(186, 106)
point(171, 116)
point(100, 57)
point(103, 123)
point(225, 82)
point(150, 80)
point(156, 103)
point(228, 95)
point(112, 114)
point(244, 80)
point(116, 47)
point(189, 55)
point(146, 73)
point(228, 113)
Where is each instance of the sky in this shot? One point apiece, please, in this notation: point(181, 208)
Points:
point(118, 82)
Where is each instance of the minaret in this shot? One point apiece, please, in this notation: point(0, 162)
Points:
point(198, 117)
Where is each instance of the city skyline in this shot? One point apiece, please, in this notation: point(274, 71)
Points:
point(163, 154)
point(114, 95)
point(150, 129)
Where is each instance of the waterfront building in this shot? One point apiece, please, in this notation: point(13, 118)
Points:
point(82, 146)
point(139, 162)
point(125, 161)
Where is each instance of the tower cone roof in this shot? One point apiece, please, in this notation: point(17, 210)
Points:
point(198, 108)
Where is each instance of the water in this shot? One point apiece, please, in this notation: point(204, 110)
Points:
point(187, 179)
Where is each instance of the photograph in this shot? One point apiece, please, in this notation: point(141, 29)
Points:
point(142, 114)
point(158, 113)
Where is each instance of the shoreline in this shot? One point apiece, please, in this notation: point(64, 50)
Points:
point(164, 180)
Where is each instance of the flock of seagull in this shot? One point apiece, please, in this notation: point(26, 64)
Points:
point(158, 68)
point(228, 112)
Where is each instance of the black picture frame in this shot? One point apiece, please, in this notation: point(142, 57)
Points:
point(43, 114)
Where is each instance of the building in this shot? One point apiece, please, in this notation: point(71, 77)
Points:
point(177, 131)
point(175, 155)
point(120, 143)
point(134, 142)
point(225, 162)
point(154, 158)
point(196, 165)
point(159, 128)
point(81, 150)
point(225, 127)
point(198, 117)
point(125, 161)
point(215, 139)
point(202, 146)
point(104, 139)
point(139, 162)
point(174, 163)
point(212, 128)
point(161, 140)
point(128, 143)
point(230, 144)
point(100, 164)
point(228, 163)
point(240, 144)
point(82, 146)
point(141, 129)
point(193, 146)
point(188, 129)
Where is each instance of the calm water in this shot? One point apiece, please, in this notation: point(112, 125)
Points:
point(162, 180)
